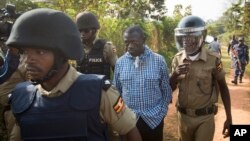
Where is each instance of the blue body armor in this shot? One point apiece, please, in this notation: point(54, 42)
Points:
point(73, 116)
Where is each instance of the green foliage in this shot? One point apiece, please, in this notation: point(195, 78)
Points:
point(235, 21)
point(246, 19)
point(215, 29)
point(21, 5)
point(115, 17)
point(178, 11)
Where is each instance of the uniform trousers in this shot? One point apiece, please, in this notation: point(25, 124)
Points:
point(196, 128)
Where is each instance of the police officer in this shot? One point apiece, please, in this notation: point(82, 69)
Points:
point(241, 59)
point(100, 55)
point(197, 71)
point(11, 73)
point(232, 42)
point(59, 103)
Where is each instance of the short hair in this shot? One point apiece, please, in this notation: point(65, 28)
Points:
point(135, 28)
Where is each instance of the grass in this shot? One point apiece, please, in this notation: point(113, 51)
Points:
point(226, 60)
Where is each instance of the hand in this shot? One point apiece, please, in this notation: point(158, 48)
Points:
point(226, 128)
point(114, 49)
point(182, 69)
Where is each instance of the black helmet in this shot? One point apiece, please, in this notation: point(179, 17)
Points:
point(86, 20)
point(190, 34)
point(48, 29)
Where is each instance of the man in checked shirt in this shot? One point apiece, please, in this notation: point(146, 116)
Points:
point(141, 76)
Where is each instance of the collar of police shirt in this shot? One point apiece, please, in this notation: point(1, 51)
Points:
point(63, 85)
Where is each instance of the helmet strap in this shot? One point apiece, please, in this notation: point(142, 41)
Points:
point(196, 52)
point(58, 63)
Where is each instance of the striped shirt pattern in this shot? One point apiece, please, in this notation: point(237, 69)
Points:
point(145, 89)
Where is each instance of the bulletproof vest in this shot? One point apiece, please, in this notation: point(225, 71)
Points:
point(242, 52)
point(72, 116)
point(94, 62)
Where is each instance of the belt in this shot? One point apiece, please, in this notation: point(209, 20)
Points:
point(198, 112)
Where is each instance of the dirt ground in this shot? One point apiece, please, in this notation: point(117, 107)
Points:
point(240, 105)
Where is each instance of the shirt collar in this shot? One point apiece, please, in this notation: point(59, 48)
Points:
point(63, 85)
point(203, 55)
point(146, 52)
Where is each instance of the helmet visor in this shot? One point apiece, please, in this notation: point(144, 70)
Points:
point(190, 42)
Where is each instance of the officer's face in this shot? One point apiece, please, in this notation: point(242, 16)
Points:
point(38, 63)
point(87, 35)
point(241, 41)
point(134, 43)
point(189, 43)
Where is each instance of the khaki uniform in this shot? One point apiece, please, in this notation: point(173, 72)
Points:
point(121, 120)
point(197, 90)
point(108, 53)
point(5, 90)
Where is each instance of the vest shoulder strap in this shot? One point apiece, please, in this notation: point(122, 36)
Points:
point(99, 44)
point(86, 91)
point(22, 97)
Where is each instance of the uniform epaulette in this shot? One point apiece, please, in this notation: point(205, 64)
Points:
point(214, 54)
point(107, 85)
point(179, 53)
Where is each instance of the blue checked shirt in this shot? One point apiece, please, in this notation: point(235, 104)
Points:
point(144, 86)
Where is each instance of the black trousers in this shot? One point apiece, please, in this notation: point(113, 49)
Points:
point(149, 134)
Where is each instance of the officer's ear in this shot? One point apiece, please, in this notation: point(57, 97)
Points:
point(94, 31)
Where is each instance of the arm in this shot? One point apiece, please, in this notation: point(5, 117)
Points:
point(247, 54)
point(173, 80)
point(228, 49)
point(225, 96)
point(176, 72)
point(9, 66)
point(118, 116)
point(110, 54)
point(116, 81)
point(227, 104)
point(220, 50)
point(164, 82)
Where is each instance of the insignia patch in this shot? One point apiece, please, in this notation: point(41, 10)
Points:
point(219, 67)
point(119, 105)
